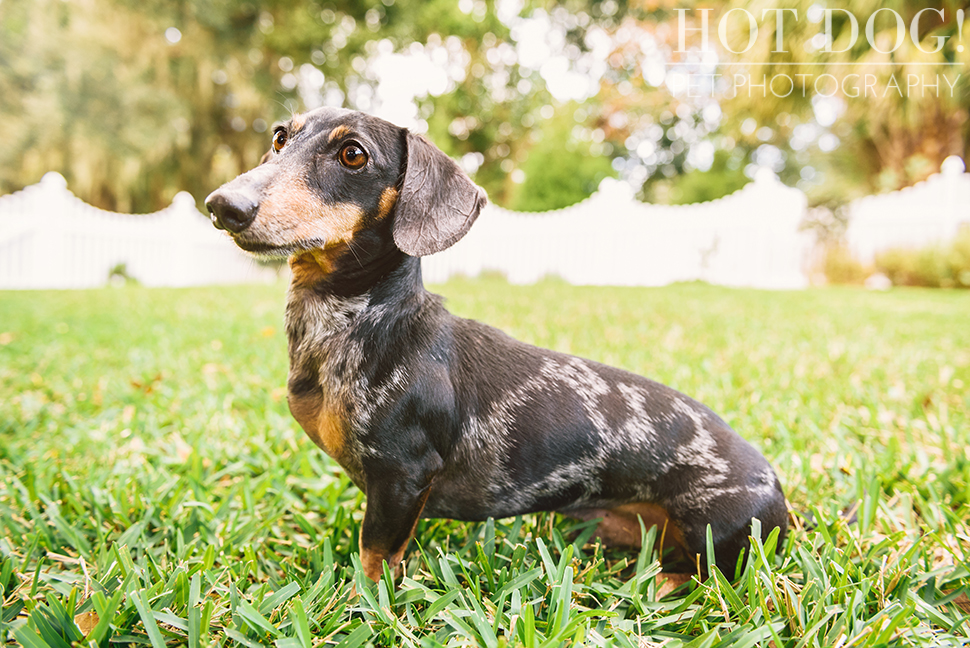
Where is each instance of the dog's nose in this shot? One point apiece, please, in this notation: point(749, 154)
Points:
point(231, 210)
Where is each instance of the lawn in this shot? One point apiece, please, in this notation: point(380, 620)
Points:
point(155, 491)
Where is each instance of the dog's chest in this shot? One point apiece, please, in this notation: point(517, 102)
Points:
point(324, 381)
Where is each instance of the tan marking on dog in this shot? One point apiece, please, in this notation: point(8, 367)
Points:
point(386, 203)
point(305, 271)
point(291, 212)
point(297, 122)
point(325, 426)
point(372, 558)
point(328, 256)
point(652, 514)
point(306, 410)
point(331, 435)
point(309, 268)
point(372, 561)
point(338, 132)
point(620, 526)
point(667, 582)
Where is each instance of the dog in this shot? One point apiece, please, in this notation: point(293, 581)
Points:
point(436, 416)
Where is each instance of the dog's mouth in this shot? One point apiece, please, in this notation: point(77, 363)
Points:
point(273, 251)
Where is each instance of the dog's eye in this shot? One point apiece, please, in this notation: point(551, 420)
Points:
point(279, 140)
point(352, 156)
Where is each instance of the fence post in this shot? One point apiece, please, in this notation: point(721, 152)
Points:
point(184, 218)
point(52, 211)
point(952, 170)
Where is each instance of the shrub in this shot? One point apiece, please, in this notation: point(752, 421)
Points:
point(840, 267)
point(959, 258)
point(899, 265)
point(119, 275)
point(935, 266)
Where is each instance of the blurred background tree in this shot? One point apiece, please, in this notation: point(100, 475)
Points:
point(134, 101)
point(565, 164)
point(843, 148)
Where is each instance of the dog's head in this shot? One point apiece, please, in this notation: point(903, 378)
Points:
point(338, 182)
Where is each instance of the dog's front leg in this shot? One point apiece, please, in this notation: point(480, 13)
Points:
point(396, 494)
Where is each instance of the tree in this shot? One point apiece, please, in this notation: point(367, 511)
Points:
point(887, 138)
point(134, 101)
point(836, 149)
point(564, 166)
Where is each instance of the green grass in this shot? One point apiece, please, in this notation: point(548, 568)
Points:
point(155, 491)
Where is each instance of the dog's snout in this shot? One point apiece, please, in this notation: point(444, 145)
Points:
point(232, 210)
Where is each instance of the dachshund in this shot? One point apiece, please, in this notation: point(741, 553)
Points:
point(436, 416)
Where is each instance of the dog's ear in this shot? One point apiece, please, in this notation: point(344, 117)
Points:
point(438, 202)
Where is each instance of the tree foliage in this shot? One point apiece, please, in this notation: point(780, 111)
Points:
point(134, 101)
point(888, 138)
point(562, 167)
point(132, 111)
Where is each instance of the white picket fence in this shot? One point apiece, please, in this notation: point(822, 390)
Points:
point(750, 238)
point(51, 239)
point(928, 212)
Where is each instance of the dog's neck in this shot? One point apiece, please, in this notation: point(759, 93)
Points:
point(319, 306)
